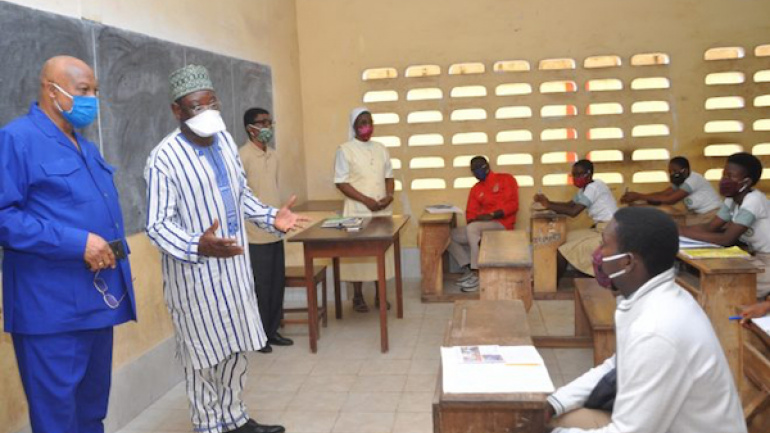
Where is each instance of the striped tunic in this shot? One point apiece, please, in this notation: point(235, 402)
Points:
point(212, 301)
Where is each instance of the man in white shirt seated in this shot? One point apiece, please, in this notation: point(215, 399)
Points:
point(672, 375)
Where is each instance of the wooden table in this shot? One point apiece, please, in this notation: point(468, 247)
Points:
point(679, 215)
point(433, 239)
point(720, 286)
point(505, 266)
point(479, 323)
point(756, 369)
point(595, 317)
point(548, 230)
point(378, 234)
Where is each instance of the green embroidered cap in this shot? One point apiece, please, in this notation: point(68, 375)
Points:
point(189, 79)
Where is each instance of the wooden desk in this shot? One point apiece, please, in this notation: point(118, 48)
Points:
point(433, 239)
point(478, 323)
point(720, 286)
point(756, 369)
point(679, 215)
point(595, 317)
point(378, 234)
point(505, 266)
point(548, 230)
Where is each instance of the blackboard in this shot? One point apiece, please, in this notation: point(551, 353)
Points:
point(132, 70)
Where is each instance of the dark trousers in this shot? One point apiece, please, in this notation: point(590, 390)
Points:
point(66, 378)
point(269, 267)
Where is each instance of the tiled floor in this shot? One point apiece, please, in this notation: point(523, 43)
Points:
point(349, 386)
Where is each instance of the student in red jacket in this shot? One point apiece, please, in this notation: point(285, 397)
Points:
point(492, 205)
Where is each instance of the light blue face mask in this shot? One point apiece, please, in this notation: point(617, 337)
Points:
point(84, 109)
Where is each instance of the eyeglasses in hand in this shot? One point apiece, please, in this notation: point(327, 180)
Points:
point(108, 298)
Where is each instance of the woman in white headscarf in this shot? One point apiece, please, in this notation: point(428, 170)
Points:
point(363, 173)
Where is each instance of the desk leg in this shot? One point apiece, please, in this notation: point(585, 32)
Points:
point(399, 283)
point(381, 288)
point(312, 302)
point(337, 295)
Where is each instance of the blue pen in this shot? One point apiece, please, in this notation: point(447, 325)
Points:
point(735, 318)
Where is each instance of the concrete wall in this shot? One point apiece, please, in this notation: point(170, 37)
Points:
point(339, 39)
point(258, 30)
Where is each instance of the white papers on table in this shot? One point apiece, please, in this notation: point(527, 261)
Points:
point(522, 370)
point(443, 208)
point(763, 323)
point(687, 243)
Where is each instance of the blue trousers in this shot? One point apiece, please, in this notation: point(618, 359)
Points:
point(66, 378)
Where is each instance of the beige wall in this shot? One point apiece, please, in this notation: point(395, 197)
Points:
point(340, 38)
point(258, 30)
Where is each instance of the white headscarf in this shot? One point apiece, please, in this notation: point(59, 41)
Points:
point(353, 116)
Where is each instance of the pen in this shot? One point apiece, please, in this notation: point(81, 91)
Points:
point(735, 318)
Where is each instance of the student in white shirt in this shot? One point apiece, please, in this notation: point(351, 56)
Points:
point(672, 375)
point(595, 197)
point(744, 216)
point(689, 187)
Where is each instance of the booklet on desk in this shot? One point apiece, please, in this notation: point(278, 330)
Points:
point(494, 370)
point(347, 223)
point(716, 253)
point(687, 243)
point(443, 208)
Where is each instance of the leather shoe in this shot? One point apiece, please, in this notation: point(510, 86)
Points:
point(266, 349)
point(280, 340)
point(262, 428)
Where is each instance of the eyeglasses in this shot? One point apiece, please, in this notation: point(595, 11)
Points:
point(108, 298)
point(265, 122)
point(198, 109)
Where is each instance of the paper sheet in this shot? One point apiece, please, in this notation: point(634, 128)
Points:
point(763, 323)
point(685, 243)
point(443, 208)
point(522, 370)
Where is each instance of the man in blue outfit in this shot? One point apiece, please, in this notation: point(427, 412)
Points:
point(63, 287)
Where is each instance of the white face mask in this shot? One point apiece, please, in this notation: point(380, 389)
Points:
point(612, 259)
point(206, 124)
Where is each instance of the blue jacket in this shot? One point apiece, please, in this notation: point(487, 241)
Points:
point(51, 197)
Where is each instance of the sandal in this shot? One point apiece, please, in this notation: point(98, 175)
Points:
point(377, 303)
point(359, 305)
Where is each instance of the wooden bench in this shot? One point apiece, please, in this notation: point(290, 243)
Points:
point(721, 286)
point(433, 239)
point(295, 277)
point(548, 230)
point(677, 213)
point(755, 394)
point(488, 323)
point(595, 317)
point(505, 266)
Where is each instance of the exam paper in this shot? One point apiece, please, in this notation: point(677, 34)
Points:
point(521, 370)
point(763, 323)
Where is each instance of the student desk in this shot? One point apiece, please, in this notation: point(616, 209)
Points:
point(378, 234)
point(433, 239)
point(677, 214)
point(548, 230)
point(479, 323)
point(720, 286)
point(756, 369)
point(505, 266)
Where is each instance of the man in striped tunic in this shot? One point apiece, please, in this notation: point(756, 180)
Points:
point(198, 204)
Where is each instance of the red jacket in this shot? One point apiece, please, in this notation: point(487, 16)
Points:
point(499, 191)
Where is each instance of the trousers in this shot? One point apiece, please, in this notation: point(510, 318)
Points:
point(464, 246)
point(268, 264)
point(66, 378)
point(215, 395)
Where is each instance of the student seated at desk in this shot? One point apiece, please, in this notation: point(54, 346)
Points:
point(593, 195)
point(671, 374)
point(492, 205)
point(744, 216)
point(687, 186)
